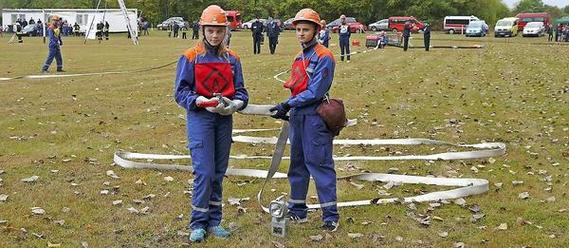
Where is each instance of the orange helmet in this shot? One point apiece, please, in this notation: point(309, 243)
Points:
point(213, 15)
point(308, 15)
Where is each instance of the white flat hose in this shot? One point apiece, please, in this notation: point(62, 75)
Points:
point(465, 186)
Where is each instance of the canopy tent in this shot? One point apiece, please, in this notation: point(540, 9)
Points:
point(562, 20)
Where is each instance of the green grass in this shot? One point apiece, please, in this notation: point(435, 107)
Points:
point(512, 91)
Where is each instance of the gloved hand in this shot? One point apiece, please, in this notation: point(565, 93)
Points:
point(281, 111)
point(231, 106)
point(212, 104)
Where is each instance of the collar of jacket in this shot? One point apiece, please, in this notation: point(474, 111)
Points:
point(210, 48)
point(308, 45)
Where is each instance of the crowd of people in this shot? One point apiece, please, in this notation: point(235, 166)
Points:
point(562, 32)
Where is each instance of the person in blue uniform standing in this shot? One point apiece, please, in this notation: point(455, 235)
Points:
point(55, 43)
point(273, 32)
point(311, 142)
point(257, 32)
point(209, 86)
point(324, 34)
point(345, 34)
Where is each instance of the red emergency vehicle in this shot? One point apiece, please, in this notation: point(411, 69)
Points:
point(525, 18)
point(233, 18)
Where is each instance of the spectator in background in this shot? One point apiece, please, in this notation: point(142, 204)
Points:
point(100, 27)
point(19, 32)
point(39, 30)
point(344, 31)
point(196, 31)
point(273, 32)
point(407, 34)
point(145, 26)
point(257, 32)
point(106, 30)
point(176, 28)
point(324, 34)
point(76, 29)
point(550, 32)
point(427, 36)
point(558, 32)
point(184, 30)
point(31, 22)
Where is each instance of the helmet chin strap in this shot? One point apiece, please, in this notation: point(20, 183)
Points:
point(310, 43)
point(209, 45)
point(206, 42)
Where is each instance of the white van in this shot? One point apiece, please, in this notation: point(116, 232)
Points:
point(457, 24)
point(506, 27)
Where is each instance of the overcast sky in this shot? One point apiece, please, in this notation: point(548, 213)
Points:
point(558, 3)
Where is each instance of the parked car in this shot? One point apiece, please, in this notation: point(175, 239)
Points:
point(506, 27)
point(381, 25)
point(397, 23)
point(169, 22)
point(288, 24)
point(353, 25)
point(534, 29)
point(247, 25)
point(30, 30)
point(525, 18)
point(457, 24)
point(476, 28)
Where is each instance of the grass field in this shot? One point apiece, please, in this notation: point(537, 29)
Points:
point(66, 130)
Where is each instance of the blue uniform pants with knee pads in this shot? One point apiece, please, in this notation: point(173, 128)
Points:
point(210, 143)
point(311, 154)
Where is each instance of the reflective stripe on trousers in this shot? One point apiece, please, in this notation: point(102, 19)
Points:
point(311, 154)
point(210, 142)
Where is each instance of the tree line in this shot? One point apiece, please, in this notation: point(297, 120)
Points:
point(365, 11)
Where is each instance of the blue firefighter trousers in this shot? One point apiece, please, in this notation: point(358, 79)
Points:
point(54, 52)
point(311, 154)
point(344, 48)
point(209, 142)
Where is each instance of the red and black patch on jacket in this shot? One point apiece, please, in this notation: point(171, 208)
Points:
point(214, 78)
point(298, 81)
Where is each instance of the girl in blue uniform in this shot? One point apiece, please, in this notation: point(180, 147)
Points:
point(209, 85)
point(311, 141)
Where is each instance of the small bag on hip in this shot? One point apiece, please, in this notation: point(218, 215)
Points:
point(333, 113)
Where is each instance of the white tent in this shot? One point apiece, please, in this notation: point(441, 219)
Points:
point(83, 17)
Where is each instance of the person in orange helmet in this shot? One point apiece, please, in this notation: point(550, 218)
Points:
point(209, 86)
point(311, 141)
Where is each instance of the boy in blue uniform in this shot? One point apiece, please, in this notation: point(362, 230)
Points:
point(209, 85)
point(55, 43)
point(311, 141)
